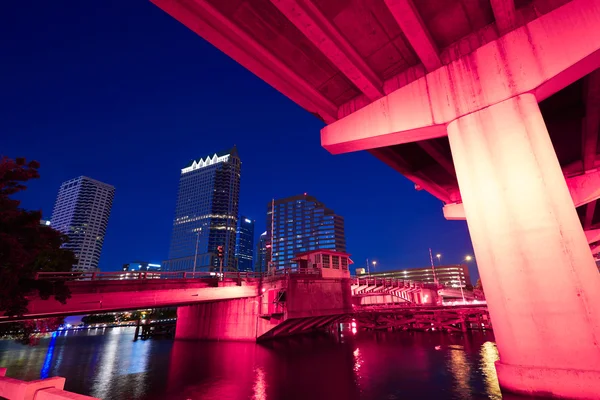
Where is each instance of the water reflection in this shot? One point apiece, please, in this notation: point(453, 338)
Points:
point(459, 366)
point(48, 360)
point(489, 355)
point(108, 364)
point(260, 386)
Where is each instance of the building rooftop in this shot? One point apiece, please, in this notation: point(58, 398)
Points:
point(209, 160)
point(322, 251)
point(87, 178)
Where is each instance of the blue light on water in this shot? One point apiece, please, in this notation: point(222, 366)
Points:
point(48, 361)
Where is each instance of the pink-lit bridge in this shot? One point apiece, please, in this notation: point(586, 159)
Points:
point(493, 107)
point(239, 306)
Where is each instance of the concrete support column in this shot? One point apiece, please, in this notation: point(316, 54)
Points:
point(541, 283)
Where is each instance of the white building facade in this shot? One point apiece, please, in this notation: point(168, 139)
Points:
point(81, 212)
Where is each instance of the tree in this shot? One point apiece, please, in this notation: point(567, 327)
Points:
point(30, 331)
point(26, 247)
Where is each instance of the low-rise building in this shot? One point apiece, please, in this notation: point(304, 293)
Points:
point(327, 263)
point(447, 275)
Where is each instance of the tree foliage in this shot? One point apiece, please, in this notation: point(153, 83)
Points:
point(31, 331)
point(26, 247)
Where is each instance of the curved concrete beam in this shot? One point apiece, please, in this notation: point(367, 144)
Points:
point(541, 57)
point(409, 20)
point(593, 235)
point(505, 15)
point(584, 189)
point(311, 22)
point(204, 19)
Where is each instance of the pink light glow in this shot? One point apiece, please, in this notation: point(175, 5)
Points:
point(542, 287)
point(260, 386)
point(541, 283)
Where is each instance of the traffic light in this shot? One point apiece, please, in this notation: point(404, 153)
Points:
point(220, 251)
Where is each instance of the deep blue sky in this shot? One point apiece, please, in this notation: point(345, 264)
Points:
point(123, 93)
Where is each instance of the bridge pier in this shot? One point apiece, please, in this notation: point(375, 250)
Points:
point(235, 319)
point(541, 283)
point(289, 305)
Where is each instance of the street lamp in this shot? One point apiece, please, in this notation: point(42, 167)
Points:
point(439, 257)
point(374, 264)
point(196, 253)
point(468, 258)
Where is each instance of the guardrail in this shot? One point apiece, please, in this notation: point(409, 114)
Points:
point(41, 389)
point(146, 275)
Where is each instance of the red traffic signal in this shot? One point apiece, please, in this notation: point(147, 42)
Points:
point(220, 251)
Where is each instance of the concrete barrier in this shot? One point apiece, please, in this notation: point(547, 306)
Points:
point(42, 389)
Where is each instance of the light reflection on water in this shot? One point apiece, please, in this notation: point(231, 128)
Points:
point(106, 363)
point(489, 355)
point(461, 370)
point(260, 386)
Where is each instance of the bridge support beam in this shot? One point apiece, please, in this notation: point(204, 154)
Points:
point(541, 282)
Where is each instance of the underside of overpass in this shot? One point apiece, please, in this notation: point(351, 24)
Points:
point(492, 106)
point(334, 57)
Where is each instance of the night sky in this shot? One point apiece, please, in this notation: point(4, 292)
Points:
point(121, 92)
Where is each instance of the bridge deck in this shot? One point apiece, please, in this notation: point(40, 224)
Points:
point(110, 296)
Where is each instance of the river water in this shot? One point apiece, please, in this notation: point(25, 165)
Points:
point(108, 364)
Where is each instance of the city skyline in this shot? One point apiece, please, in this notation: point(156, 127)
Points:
point(149, 119)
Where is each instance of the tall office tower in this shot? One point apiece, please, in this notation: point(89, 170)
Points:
point(260, 265)
point(302, 223)
point(244, 244)
point(206, 213)
point(81, 212)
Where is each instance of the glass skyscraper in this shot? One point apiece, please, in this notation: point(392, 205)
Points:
point(260, 265)
point(81, 212)
point(244, 244)
point(302, 223)
point(206, 213)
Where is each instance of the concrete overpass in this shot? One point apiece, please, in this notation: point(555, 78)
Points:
point(492, 106)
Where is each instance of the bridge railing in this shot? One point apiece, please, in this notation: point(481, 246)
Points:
point(388, 282)
point(133, 275)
